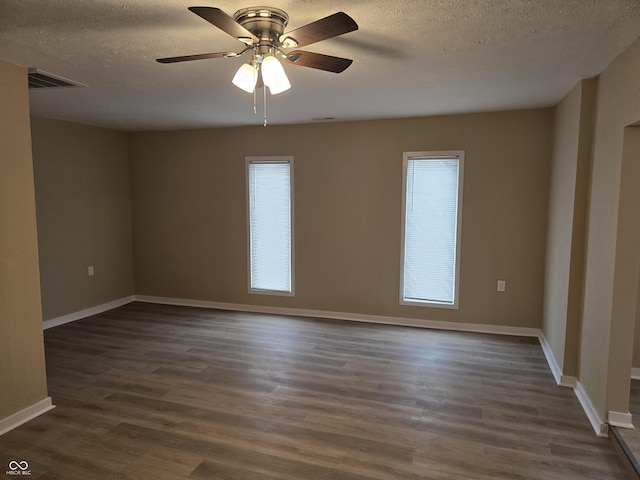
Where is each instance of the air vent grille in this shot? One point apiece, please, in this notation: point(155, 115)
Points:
point(40, 79)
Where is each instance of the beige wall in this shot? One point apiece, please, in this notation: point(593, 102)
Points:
point(84, 215)
point(606, 336)
point(189, 213)
point(564, 279)
point(22, 368)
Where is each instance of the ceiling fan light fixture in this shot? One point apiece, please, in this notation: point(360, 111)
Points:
point(246, 77)
point(274, 76)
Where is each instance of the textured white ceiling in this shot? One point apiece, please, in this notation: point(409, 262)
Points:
point(411, 58)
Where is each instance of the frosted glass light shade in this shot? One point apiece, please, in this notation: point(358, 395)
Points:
point(274, 76)
point(246, 77)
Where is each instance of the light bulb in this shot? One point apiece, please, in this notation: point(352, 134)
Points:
point(274, 76)
point(246, 77)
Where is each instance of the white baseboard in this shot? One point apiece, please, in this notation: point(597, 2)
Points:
point(635, 373)
point(23, 416)
point(354, 317)
point(72, 317)
point(620, 419)
point(601, 428)
point(561, 379)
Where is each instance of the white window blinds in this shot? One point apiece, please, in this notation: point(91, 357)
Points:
point(269, 187)
point(431, 225)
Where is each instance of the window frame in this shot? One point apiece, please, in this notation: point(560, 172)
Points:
point(426, 155)
point(288, 159)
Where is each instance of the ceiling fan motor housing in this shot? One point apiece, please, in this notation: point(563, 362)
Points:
point(266, 23)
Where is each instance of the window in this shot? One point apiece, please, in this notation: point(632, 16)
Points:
point(432, 190)
point(270, 187)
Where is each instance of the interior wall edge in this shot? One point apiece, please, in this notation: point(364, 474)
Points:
point(599, 426)
point(561, 379)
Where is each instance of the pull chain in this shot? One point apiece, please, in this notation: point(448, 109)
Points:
point(264, 91)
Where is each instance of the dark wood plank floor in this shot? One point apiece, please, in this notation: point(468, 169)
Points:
point(159, 392)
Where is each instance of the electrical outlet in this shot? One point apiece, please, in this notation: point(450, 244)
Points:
point(90, 270)
point(502, 286)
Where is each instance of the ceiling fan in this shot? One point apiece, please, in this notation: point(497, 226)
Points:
point(261, 29)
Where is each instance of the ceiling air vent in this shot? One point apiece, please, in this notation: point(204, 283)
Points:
point(40, 79)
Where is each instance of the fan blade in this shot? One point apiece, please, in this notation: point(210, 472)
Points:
point(201, 56)
point(319, 61)
point(323, 29)
point(227, 24)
